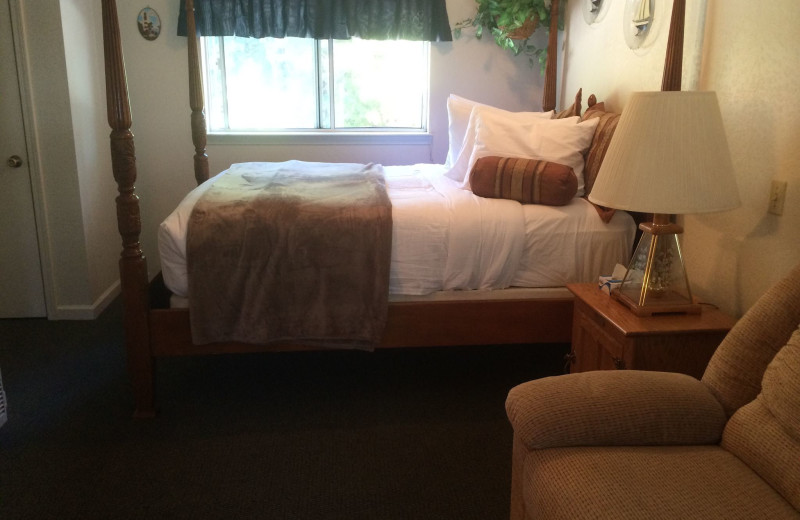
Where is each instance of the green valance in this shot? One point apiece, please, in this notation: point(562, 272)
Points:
point(418, 20)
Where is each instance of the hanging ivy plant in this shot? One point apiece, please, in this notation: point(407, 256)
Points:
point(512, 23)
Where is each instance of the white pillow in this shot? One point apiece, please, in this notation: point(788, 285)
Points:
point(563, 141)
point(459, 110)
point(458, 168)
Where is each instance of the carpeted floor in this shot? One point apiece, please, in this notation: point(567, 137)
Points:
point(394, 434)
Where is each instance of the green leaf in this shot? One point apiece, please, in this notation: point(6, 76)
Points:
point(500, 17)
point(543, 13)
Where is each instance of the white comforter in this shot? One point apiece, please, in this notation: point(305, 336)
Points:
point(446, 238)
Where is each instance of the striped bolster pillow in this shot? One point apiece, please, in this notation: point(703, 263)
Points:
point(528, 181)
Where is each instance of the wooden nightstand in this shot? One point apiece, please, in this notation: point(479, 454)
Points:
point(606, 335)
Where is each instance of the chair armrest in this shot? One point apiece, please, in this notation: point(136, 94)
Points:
point(615, 408)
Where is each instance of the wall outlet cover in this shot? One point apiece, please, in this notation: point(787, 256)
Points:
point(777, 196)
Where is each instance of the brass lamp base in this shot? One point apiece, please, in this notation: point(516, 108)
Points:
point(673, 304)
point(656, 281)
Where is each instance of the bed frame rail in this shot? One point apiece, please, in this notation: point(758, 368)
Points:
point(409, 324)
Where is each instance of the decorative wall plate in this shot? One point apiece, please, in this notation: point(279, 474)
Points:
point(149, 23)
point(640, 22)
point(594, 10)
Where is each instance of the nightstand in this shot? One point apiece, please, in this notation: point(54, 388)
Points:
point(607, 336)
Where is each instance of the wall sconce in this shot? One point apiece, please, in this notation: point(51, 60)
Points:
point(638, 21)
point(594, 10)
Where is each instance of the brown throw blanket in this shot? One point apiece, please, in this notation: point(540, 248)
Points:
point(291, 252)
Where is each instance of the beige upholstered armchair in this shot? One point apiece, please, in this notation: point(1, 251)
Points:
point(632, 444)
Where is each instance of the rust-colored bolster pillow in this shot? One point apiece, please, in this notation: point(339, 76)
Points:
point(528, 181)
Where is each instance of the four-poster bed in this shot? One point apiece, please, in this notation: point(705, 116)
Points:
point(153, 331)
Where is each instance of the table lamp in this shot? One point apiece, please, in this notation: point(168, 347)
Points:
point(668, 156)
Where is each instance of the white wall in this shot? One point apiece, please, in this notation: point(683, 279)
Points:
point(83, 43)
point(53, 163)
point(750, 59)
point(748, 56)
point(598, 59)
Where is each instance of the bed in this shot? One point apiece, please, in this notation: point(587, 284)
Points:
point(526, 304)
point(436, 230)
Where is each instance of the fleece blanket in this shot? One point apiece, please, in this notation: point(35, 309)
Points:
point(299, 252)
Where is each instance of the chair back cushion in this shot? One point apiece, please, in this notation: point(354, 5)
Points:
point(735, 371)
point(765, 434)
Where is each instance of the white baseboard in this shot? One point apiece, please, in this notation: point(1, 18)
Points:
point(87, 312)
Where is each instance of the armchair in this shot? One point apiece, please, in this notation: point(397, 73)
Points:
point(634, 444)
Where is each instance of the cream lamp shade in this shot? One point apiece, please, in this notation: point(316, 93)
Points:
point(669, 155)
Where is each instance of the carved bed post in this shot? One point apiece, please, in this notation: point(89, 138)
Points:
point(196, 100)
point(673, 64)
point(549, 94)
point(132, 263)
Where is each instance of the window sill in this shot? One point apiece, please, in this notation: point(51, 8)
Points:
point(322, 138)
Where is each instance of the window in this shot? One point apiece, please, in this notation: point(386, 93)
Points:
point(301, 84)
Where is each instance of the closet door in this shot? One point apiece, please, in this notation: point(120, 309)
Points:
point(21, 286)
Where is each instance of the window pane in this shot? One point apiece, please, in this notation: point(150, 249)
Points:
point(379, 83)
point(271, 83)
point(214, 83)
point(324, 59)
point(301, 84)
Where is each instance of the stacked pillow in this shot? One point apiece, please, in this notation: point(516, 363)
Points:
point(492, 132)
point(459, 110)
point(607, 124)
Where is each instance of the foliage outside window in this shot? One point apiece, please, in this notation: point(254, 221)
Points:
point(302, 84)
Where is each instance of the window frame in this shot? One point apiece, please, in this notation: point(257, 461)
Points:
point(360, 135)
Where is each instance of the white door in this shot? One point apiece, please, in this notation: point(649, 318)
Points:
point(21, 286)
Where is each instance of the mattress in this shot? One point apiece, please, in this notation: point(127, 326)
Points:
point(446, 239)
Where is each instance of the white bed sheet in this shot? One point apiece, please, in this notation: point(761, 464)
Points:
point(445, 238)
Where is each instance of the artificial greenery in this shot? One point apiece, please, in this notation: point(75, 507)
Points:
point(502, 17)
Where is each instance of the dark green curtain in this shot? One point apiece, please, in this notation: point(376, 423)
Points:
point(418, 20)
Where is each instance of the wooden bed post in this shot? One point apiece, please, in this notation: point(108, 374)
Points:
point(132, 263)
point(196, 100)
point(549, 94)
point(673, 64)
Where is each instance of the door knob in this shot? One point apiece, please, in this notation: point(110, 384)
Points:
point(14, 161)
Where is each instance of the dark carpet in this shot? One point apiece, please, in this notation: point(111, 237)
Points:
point(393, 434)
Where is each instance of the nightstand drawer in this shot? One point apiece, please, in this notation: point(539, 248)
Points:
point(596, 344)
point(599, 331)
point(606, 335)
point(597, 320)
